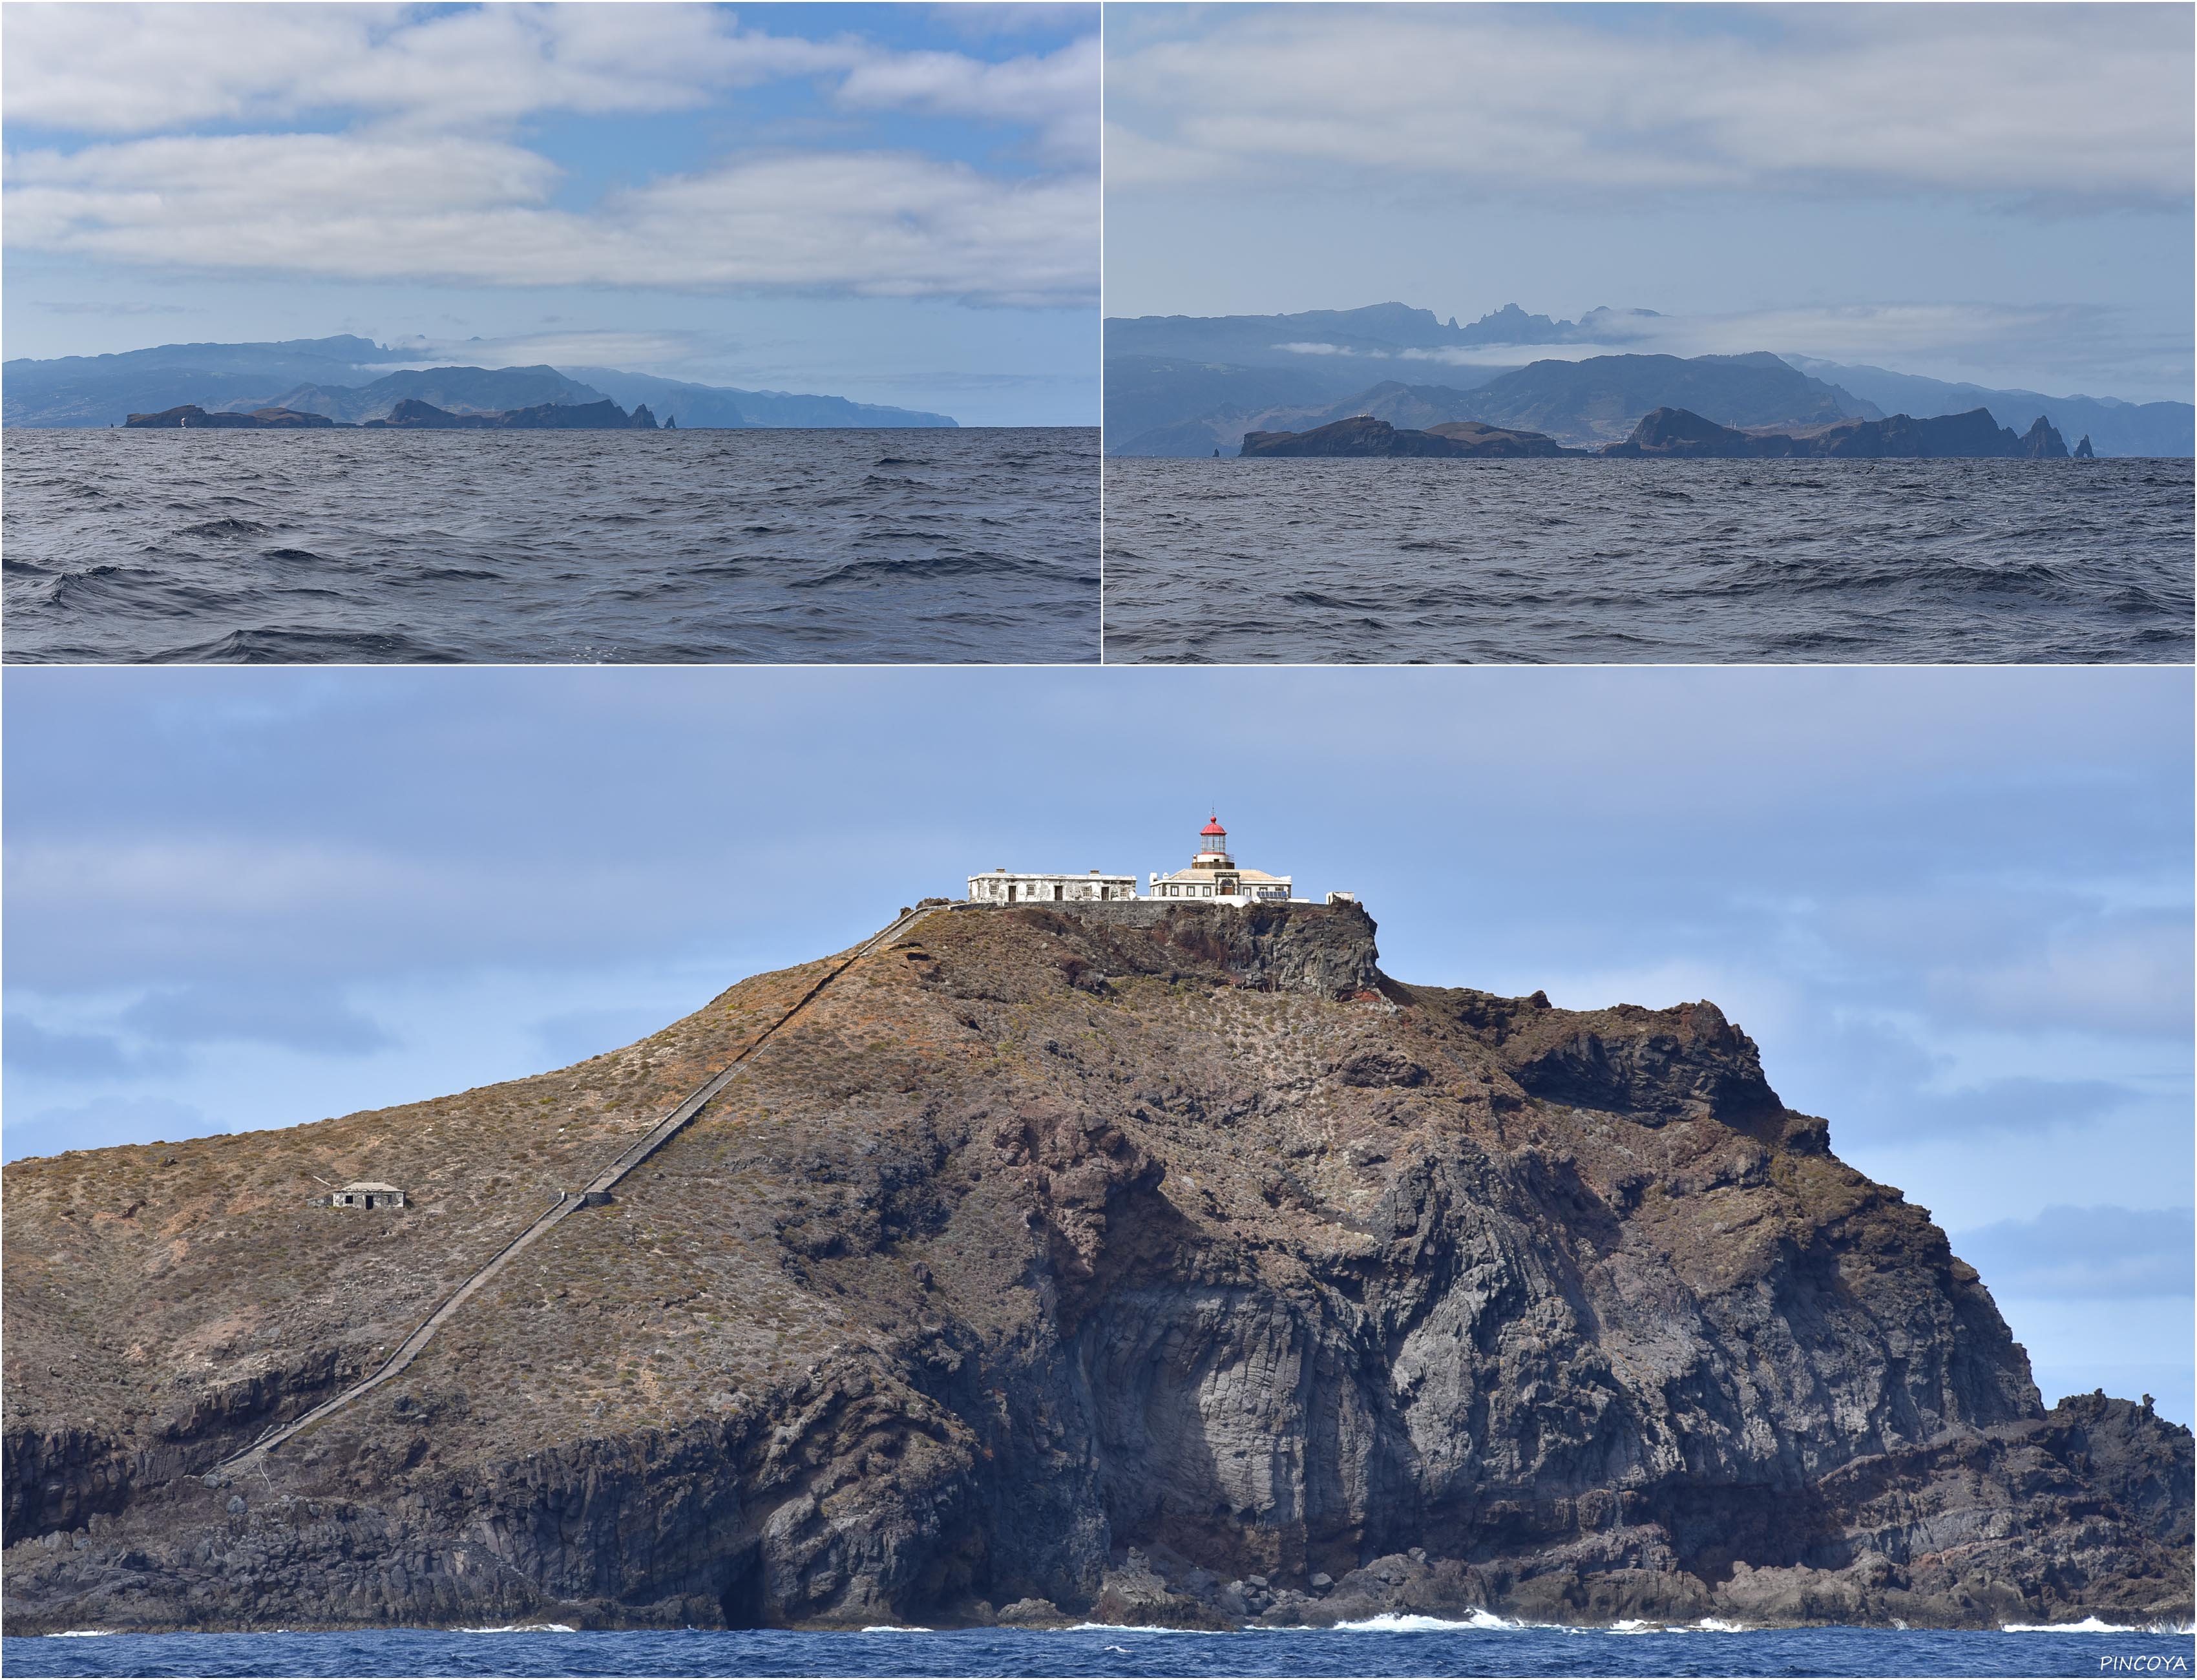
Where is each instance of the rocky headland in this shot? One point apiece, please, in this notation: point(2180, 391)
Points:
point(414, 415)
point(1680, 434)
point(1144, 1263)
point(188, 415)
point(411, 414)
point(1361, 435)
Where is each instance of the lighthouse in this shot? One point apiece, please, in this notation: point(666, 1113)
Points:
point(1214, 875)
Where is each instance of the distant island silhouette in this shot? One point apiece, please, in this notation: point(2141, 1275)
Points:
point(1680, 434)
point(1189, 386)
point(305, 382)
point(411, 415)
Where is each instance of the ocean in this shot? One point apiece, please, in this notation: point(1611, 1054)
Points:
point(1393, 1646)
point(817, 546)
point(1724, 562)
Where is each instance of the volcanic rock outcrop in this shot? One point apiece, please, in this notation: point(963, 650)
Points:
point(1145, 1262)
point(1678, 433)
point(189, 415)
point(412, 414)
point(1361, 435)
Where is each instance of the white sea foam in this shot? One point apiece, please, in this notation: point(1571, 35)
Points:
point(523, 1627)
point(889, 1627)
point(1392, 1621)
point(1717, 1624)
point(84, 1633)
point(1115, 1627)
point(2087, 1624)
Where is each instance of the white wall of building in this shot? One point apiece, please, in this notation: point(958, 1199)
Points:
point(1005, 886)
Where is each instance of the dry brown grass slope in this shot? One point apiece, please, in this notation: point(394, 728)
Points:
point(1094, 1258)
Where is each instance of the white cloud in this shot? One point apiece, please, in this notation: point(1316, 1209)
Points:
point(136, 69)
point(577, 348)
point(1057, 93)
point(132, 69)
point(458, 208)
point(2091, 103)
point(983, 19)
point(2121, 975)
point(430, 183)
point(2064, 1253)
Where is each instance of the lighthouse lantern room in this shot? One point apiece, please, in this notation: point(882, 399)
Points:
point(1213, 875)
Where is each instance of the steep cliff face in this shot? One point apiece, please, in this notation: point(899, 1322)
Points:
point(1677, 433)
point(1153, 1263)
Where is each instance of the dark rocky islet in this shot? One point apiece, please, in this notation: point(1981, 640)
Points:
point(1680, 434)
point(412, 415)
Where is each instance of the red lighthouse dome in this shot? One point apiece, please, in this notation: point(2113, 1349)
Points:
point(1213, 846)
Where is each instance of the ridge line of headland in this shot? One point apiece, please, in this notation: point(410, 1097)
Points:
point(658, 1135)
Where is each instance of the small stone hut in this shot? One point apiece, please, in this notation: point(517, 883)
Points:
point(368, 1195)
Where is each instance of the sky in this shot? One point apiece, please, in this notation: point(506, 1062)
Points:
point(893, 203)
point(1997, 194)
point(1953, 906)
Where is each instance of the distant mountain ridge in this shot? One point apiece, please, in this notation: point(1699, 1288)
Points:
point(462, 390)
point(1362, 435)
point(1187, 386)
point(1583, 405)
point(409, 415)
point(2115, 427)
point(1675, 434)
point(1600, 399)
point(705, 405)
point(414, 415)
point(320, 376)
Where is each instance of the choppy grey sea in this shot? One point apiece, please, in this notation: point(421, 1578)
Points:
point(933, 546)
point(1610, 561)
point(1391, 1645)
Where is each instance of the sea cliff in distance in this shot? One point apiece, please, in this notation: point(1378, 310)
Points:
point(1130, 1262)
point(410, 416)
point(1184, 385)
point(1674, 434)
point(337, 379)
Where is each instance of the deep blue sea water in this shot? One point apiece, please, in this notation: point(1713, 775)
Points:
point(1410, 1646)
point(810, 546)
point(1722, 562)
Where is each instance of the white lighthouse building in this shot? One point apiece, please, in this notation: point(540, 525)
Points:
point(1212, 877)
point(1215, 877)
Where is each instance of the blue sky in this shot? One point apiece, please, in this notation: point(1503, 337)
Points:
point(2000, 194)
point(1954, 906)
point(895, 203)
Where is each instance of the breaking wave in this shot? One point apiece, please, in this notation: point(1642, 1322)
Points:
point(523, 1627)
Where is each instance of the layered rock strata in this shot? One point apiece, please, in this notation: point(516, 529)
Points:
point(1163, 1265)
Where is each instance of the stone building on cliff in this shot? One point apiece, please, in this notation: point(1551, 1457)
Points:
point(1216, 878)
point(1003, 886)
